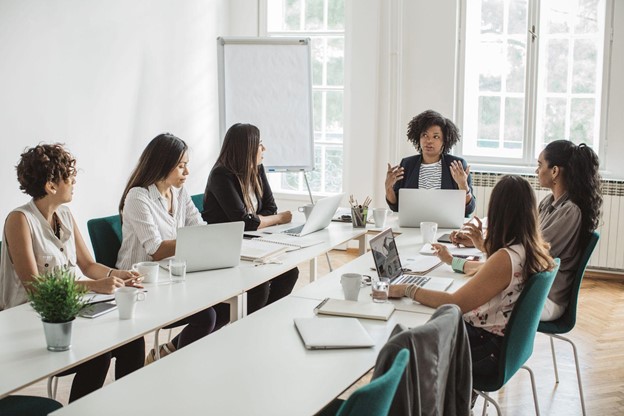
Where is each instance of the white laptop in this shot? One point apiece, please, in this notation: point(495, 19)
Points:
point(319, 218)
point(208, 247)
point(444, 206)
point(388, 264)
point(330, 333)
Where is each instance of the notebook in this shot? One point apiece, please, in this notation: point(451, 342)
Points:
point(209, 247)
point(367, 310)
point(255, 249)
point(443, 206)
point(290, 242)
point(319, 218)
point(388, 264)
point(331, 333)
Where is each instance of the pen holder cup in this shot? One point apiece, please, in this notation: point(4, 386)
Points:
point(358, 217)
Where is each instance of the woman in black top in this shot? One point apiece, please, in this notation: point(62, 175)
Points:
point(238, 190)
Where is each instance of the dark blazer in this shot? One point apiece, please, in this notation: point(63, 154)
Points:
point(412, 171)
point(223, 199)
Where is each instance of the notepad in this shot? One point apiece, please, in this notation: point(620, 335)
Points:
point(291, 243)
point(367, 310)
point(464, 252)
point(257, 249)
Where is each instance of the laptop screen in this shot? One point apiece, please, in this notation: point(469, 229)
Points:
point(386, 255)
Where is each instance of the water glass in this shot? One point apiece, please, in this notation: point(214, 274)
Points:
point(380, 288)
point(177, 270)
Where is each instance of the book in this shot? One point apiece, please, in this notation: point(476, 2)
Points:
point(367, 310)
point(257, 249)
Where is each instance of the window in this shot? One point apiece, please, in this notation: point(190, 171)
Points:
point(323, 22)
point(527, 82)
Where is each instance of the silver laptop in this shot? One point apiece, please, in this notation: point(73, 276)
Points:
point(444, 206)
point(208, 247)
point(330, 333)
point(319, 218)
point(388, 264)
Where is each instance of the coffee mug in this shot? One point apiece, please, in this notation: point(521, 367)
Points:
point(428, 231)
point(379, 215)
point(306, 209)
point(351, 283)
point(148, 269)
point(126, 298)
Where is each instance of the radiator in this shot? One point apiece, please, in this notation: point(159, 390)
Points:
point(609, 253)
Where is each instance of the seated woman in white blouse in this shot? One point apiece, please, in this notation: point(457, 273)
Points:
point(153, 206)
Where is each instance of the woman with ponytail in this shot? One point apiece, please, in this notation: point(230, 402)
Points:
point(568, 215)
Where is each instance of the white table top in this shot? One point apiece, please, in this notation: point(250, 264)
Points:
point(255, 366)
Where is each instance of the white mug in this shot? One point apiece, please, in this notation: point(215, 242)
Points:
point(379, 215)
point(148, 269)
point(351, 283)
point(428, 231)
point(306, 209)
point(126, 298)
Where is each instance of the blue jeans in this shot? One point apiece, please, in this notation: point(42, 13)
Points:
point(485, 348)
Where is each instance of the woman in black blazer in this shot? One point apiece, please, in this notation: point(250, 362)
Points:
point(238, 190)
point(433, 136)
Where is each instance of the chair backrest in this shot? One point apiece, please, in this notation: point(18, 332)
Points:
point(522, 326)
point(375, 398)
point(567, 321)
point(105, 234)
point(198, 200)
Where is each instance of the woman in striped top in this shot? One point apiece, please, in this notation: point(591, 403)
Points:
point(153, 206)
point(433, 136)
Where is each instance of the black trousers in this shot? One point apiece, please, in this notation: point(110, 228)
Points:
point(261, 295)
point(90, 375)
point(197, 326)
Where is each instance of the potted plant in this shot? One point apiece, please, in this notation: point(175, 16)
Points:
point(57, 298)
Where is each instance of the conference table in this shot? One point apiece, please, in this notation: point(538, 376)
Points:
point(24, 358)
point(258, 365)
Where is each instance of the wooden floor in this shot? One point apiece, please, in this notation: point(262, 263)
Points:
point(599, 336)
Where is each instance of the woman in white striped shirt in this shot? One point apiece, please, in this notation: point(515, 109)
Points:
point(153, 206)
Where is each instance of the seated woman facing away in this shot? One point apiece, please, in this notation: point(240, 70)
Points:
point(153, 206)
point(567, 216)
point(433, 136)
point(43, 235)
point(515, 251)
point(238, 190)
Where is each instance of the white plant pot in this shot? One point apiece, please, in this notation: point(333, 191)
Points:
point(58, 335)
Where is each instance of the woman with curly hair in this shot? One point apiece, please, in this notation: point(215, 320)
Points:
point(433, 136)
point(43, 235)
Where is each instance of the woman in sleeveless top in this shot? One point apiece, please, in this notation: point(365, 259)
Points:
point(43, 235)
point(515, 250)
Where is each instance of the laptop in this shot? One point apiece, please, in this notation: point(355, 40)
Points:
point(319, 218)
point(332, 333)
point(388, 264)
point(444, 206)
point(209, 247)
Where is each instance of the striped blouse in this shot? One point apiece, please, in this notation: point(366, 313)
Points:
point(430, 176)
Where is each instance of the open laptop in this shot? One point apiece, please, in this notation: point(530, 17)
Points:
point(209, 247)
point(331, 333)
point(388, 264)
point(444, 206)
point(319, 218)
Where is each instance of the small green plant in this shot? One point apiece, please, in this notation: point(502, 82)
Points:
point(56, 296)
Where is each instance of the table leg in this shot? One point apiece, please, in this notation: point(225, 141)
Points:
point(238, 306)
point(313, 269)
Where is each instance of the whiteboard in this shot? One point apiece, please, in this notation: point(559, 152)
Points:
point(267, 82)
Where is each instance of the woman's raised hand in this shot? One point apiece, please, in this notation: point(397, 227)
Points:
point(394, 174)
point(460, 176)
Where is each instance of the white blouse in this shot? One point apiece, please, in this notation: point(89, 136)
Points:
point(147, 222)
point(49, 250)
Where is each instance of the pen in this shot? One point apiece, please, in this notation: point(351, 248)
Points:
point(320, 305)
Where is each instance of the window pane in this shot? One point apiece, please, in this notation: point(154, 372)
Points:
point(517, 20)
point(557, 69)
point(554, 120)
point(318, 60)
point(292, 15)
point(587, 16)
point(489, 119)
point(514, 123)
point(336, 18)
point(317, 111)
point(335, 61)
point(333, 168)
point(492, 16)
point(557, 18)
point(334, 111)
point(516, 57)
point(490, 69)
point(582, 120)
point(315, 178)
point(314, 15)
point(290, 181)
point(584, 67)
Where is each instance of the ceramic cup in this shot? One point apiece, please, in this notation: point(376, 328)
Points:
point(306, 209)
point(380, 215)
point(126, 299)
point(428, 231)
point(351, 283)
point(148, 269)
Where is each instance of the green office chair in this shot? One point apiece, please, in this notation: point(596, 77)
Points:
point(567, 321)
point(198, 200)
point(105, 234)
point(27, 406)
point(519, 337)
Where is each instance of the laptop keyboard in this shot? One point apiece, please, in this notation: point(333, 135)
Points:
point(294, 230)
point(413, 280)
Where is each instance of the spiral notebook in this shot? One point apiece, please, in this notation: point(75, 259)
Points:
point(291, 243)
point(255, 249)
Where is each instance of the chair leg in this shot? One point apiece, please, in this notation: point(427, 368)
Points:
point(487, 398)
point(169, 335)
point(578, 368)
point(537, 412)
point(554, 358)
point(331, 269)
point(156, 345)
